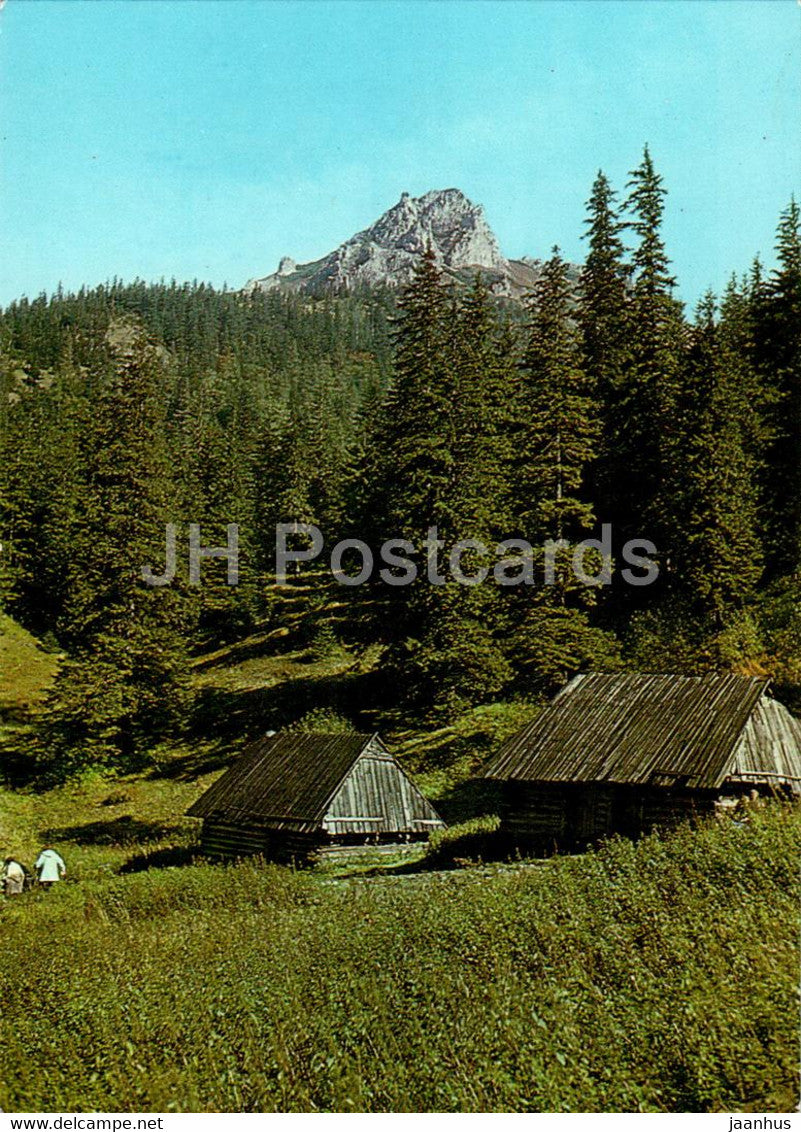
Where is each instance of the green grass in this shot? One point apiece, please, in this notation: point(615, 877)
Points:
point(101, 824)
point(656, 976)
point(26, 670)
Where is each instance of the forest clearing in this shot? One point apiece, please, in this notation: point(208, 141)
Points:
point(648, 976)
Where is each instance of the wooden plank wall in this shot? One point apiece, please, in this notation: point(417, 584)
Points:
point(377, 799)
point(769, 751)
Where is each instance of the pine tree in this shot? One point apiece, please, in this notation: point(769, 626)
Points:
point(559, 431)
point(650, 390)
point(125, 684)
point(604, 318)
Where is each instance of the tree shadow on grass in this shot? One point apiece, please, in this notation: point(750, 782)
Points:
point(201, 759)
point(224, 719)
point(226, 713)
point(472, 798)
point(121, 831)
point(260, 644)
point(172, 857)
point(18, 767)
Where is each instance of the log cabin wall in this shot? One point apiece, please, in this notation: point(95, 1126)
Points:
point(665, 809)
point(550, 815)
point(558, 813)
point(535, 813)
point(229, 840)
point(221, 838)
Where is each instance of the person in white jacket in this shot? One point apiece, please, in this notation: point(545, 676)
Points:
point(49, 867)
point(13, 877)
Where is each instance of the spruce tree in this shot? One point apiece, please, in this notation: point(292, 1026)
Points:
point(40, 462)
point(559, 431)
point(777, 312)
point(438, 462)
point(486, 387)
point(604, 318)
point(560, 428)
point(414, 442)
point(648, 423)
point(215, 441)
point(718, 556)
point(124, 686)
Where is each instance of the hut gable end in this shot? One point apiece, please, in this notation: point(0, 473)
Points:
point(377, 797)
point(769, 749)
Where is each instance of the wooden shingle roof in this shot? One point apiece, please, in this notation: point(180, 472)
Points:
point(634, 728)
point(315, 782)
point(289, 777)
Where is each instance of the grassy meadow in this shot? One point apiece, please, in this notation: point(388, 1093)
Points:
point(657, 976)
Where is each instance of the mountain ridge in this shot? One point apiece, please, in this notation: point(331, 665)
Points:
point(386, 252)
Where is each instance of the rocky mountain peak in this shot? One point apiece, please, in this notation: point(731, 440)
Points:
point(386, 253)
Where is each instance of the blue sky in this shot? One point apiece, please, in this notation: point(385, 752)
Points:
point(203, 139)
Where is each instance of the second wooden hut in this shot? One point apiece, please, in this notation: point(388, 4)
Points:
point(628, 752)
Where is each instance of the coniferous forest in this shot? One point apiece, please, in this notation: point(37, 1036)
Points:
point(379, 415)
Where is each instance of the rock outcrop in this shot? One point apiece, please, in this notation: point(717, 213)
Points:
point(386, 253)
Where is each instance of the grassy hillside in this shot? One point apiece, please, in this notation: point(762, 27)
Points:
point(26, 673)
point(26, 670)
point(657, 976)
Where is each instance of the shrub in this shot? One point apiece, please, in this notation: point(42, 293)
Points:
point(322, 720)
point(465, 843)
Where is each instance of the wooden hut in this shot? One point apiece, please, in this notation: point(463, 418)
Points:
point(625, 753)
point(292, 795)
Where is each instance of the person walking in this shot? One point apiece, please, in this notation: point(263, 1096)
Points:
point(13, 877)
point(49, 867)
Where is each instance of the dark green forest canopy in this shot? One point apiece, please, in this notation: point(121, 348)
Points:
point(375, 415)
